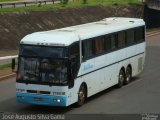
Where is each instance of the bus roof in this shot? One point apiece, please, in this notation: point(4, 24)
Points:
point(69, 35)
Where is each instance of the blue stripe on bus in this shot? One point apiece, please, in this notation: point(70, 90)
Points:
point(38, 99)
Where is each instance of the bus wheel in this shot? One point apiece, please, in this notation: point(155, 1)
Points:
point(121, 78)
point(128, 75)
point(81, 95)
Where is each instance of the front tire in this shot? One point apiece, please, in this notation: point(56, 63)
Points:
point(82, 95)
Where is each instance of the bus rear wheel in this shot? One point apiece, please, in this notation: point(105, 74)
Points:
point(121, 78)
point(82, 95)
point(128, 75)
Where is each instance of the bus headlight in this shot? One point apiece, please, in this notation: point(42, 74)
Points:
point(56, 100)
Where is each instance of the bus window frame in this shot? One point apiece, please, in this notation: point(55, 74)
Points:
point(84, 59)
point(40, 82)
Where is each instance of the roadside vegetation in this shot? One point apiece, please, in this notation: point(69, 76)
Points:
point(75, 4)
point(153, 30)
point(5, 66)
point(8, 0)
point(5, 69)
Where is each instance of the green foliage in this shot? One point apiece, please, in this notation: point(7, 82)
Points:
point(5, 66)
point(8, 0)
point(152, 30)
point(75, 4)
point(84, 1)
point(65, 1)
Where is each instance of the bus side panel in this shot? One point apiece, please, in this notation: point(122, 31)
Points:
point(141, 49)
point(130, 53)
point(108, 74)
point(73, 92)
point(103, 75)
point(102, 72)
point(138, 61)
point(89, 75)
point(93, 82)
point(121, 57)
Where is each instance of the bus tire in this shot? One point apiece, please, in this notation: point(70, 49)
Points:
point(82, 95)
point(121, 78)
point(128, 75)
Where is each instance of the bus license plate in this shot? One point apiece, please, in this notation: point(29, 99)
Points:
point(38, 99)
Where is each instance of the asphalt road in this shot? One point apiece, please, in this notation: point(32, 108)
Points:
point(142, 95)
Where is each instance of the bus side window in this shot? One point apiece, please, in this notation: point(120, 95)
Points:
point(107, 43)
point(75, 58)
point(113, 41)
point(121, 39)
point(139, 34)
point(110, 42)
point(130, 37)
point(87, 48)
point(99, 45)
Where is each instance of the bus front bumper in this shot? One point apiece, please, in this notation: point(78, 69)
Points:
point(38, 99)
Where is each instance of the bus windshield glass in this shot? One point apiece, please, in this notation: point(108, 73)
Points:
point(43, 65)
point(43, 51)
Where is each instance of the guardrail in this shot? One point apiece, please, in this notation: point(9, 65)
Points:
point(8, 57)
point(27, 3)
point(8, 60)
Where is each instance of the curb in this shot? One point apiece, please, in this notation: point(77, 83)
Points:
point(7, 76)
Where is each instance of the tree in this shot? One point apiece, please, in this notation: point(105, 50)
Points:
point(65, 1)
point(84, 1)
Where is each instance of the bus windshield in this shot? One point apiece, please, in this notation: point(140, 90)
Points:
point(43, 51)
point(42, 65)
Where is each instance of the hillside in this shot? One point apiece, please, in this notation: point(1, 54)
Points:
point(14, 26)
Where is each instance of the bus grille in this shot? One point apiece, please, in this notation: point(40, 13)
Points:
point(39, 92)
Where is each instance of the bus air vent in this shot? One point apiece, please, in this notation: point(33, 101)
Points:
point(131, 21)
point(67, 30)
point(102, 23)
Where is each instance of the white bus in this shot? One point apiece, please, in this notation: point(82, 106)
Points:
point(65, 66)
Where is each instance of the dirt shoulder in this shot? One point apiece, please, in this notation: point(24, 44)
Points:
point(6, 71)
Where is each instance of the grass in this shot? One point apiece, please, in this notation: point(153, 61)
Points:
point(8, 0)
point(153, 29)
point(5, 66)
point(113, 2)
point(75, 4)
